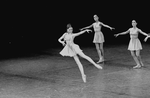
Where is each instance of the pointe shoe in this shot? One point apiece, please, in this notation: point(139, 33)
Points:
point(84, 78)
point(137, 66)
point(98, 66)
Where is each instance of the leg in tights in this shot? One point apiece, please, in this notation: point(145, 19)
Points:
point(98, 50)
point(135, 58)
point(90, 60)
point(139, 57)
point(80, 67)
point(102, 50)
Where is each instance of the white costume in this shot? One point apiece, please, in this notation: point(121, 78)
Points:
point(70, 48)
point(98, 36)
point(134, 43)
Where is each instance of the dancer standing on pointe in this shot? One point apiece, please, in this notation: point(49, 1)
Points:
point(134, 44)
point(71, 49)
point(98, 37)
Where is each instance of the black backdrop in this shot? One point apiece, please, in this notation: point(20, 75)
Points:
point(36, 25)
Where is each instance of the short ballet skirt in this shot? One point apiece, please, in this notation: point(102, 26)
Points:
point(134, 44)
point(71, 50)
point(98, 37)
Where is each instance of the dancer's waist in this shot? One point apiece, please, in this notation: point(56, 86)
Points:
point(97, 31)
point(134, 37)
point(69, 42)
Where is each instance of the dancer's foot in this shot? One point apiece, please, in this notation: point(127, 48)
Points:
point(142, 64)
point(84, 78)
point(101, 60)
point(98, 66)
point(137, 66)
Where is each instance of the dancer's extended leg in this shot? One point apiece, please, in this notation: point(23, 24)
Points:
point(90, 60)
point(80, 67)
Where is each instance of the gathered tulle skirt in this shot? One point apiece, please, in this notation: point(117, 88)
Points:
point(98, 37)
point(70, 50)
point(134, 44)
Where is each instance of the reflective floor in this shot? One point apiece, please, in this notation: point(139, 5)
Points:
point(54, 76)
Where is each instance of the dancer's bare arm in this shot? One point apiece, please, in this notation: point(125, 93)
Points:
point(81, 32)
point(107, 26)
point(60, 39)
point(143, 32)
point(123, 33)
point(87, 27)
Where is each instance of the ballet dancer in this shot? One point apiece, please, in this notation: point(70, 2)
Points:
point(98, 36)
point(71, 49)
point(134, 44)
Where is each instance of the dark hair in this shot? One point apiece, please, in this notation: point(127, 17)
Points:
point(68, 26)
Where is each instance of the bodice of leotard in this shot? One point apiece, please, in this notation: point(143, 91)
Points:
point(97, 26)
point(69, 38)
point(133, 33)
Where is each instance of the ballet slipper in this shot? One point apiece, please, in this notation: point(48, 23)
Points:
point(137, 66)
point(101, 60)
point(98, 66)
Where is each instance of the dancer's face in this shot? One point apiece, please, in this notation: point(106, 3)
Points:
point(134, 23)
point(96, 18)
point(70, 30)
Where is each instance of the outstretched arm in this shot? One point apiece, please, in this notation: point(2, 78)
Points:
point(123, 33)
point(60, 39)
point(77, 34)
point(143, 32)
point(86, 27)
point(106, 26)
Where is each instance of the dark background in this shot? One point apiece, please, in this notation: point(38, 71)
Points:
point(34, 26)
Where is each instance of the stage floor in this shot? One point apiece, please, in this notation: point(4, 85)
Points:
point(50, 75)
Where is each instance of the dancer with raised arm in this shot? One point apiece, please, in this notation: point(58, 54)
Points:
point(71, 49)
point(134, 44)
point(98, 37)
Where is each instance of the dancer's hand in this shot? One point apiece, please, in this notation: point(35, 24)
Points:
point(146, 38)
point(116, 35)
point(63, 43)
point(87, 30)
point(112, 28)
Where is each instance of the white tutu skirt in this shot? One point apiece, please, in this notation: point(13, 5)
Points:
point(98, 37)
point(134, 44)
point(71, 50)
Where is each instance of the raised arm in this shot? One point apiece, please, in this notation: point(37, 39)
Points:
point(106, 26)
point(87, 27)
point(143, 32)
point(79, 33)
point(123, 33)
point(60, 39)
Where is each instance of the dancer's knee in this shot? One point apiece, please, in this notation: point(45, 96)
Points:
point(138, 53)
point(133, 54)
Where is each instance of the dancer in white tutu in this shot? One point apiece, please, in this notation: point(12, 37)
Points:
point(98, 37)
point(134, 44)
point(71, 49)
